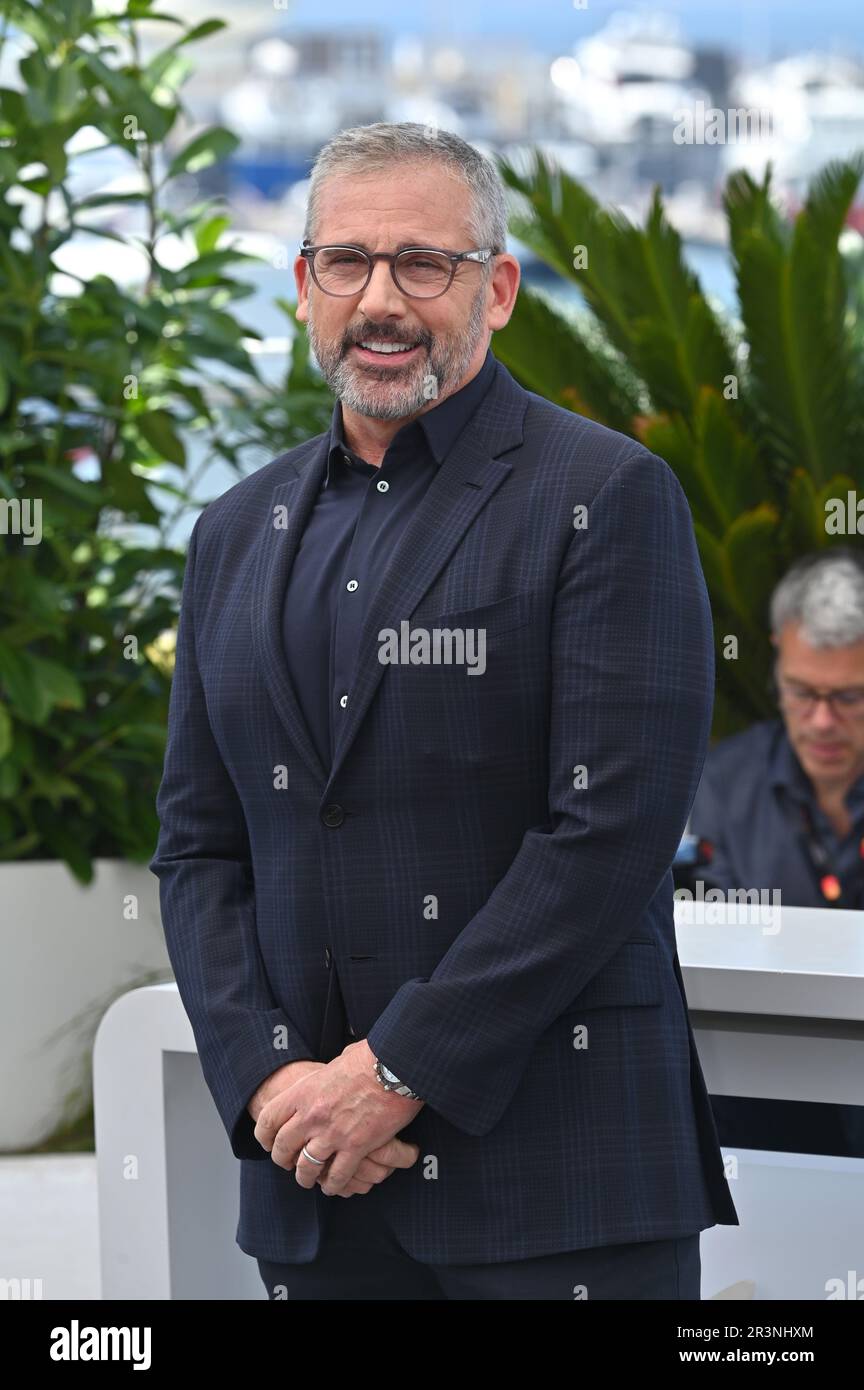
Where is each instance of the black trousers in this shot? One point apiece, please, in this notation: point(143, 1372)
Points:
point(360, 1259)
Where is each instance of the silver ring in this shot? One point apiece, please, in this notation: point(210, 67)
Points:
point(306, 1154)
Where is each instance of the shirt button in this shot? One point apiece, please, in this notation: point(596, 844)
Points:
point(333, 815)
point(351, 585)
point(347, 458)
point(382, 485)
point(343, 700)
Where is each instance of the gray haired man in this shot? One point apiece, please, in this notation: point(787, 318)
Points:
point(781, 806)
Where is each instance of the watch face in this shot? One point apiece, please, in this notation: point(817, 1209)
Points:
point(388, 1074)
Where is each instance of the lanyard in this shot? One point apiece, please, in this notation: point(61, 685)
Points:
point(830, 886)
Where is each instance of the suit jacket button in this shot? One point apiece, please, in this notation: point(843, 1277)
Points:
point(333, 815)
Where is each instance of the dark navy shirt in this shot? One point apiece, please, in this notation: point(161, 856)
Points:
point(358, 517)
point(747, 806)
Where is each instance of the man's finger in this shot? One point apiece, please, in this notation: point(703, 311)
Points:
point(273, 1116)
point(368, 1171)
point(343, 1167)
point(396, 1153)
point(307, 1172)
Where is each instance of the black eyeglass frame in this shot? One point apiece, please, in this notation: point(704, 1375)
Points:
point(808, 697)
point(307, 251)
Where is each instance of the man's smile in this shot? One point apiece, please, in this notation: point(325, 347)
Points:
point(386, 351)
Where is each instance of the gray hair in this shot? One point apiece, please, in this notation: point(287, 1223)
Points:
point(823, 592)
point(366, 149)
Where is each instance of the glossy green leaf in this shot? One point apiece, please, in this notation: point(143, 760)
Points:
point(208, 148)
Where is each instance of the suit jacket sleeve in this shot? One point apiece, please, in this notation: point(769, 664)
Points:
point(632, 669)
point(207, 901)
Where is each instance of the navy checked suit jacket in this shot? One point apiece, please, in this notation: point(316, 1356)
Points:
point(487, 861)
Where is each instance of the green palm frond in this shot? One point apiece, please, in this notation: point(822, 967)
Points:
point(792, 292)
point(750, 558)
point(751, 210)
point(635, 280)
point(760, 417)
point(715, 462)
point(557, 358)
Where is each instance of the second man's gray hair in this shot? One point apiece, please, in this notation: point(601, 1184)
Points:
point(825, 594)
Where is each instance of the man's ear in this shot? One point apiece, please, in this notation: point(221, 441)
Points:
point(301, 281)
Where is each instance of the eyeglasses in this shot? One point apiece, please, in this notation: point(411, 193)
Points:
point(803, 698)
point(421, 272)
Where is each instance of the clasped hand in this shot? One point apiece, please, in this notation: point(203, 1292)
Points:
point(342, 1114)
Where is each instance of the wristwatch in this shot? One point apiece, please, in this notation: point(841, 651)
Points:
point(391, 1082)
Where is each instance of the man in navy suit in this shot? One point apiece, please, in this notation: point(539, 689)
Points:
point(442, 697)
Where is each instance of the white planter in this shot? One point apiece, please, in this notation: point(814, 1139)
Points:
point(67, 951)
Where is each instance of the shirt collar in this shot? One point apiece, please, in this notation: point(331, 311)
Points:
point(438, 427)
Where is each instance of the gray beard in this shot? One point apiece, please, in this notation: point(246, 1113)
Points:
point(426, 379)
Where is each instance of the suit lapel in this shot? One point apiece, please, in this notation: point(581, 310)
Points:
point(291, 502)
point(462, 486)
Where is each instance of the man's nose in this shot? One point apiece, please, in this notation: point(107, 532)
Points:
point(382, 295)
point(823, 716)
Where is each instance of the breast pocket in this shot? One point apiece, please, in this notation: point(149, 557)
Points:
point(481, 693)
point(502, 615)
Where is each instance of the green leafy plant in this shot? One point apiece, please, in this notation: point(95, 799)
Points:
point(760, 415)
point(103, 391)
